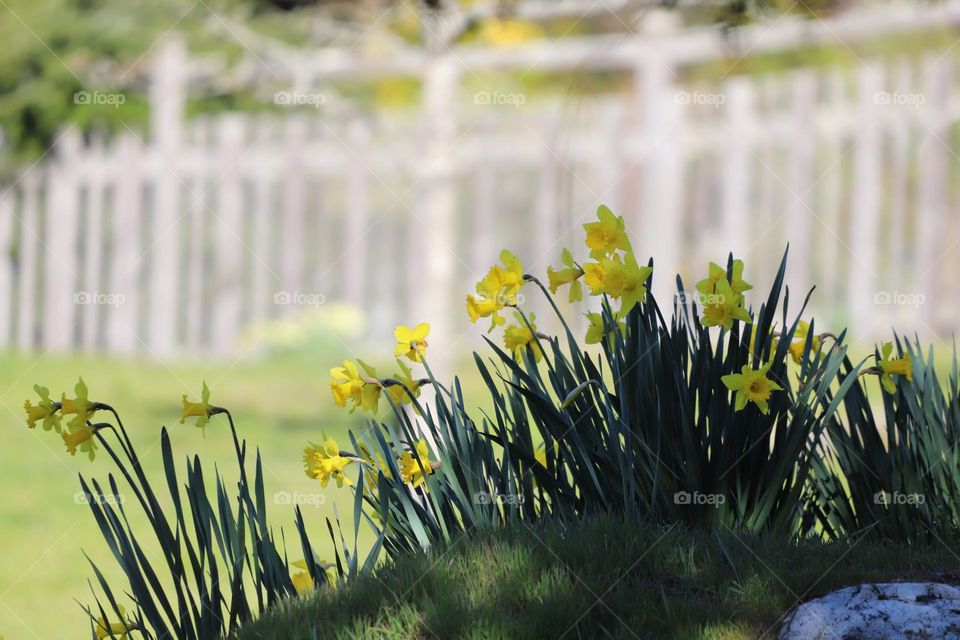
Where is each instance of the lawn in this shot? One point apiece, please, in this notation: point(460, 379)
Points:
point(279, 405)
point(603, 578)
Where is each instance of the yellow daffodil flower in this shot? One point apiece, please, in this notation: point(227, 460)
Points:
point(325, 462)
point(80, 407)
point(894, 367)
point(374, 465)
point(411, 343)
point(399, 392)
point(413, 465)
point(752, 385)
point(45, 410)
point(114, 630)
point(200, 410)
point(80, 437)
point(498, 289)
point(607, 235)
point(520, 339)
point(596, 331)
point(717, 273)
point(800, 341)
point(723, 306)
point(618, 278)
point(302, 581)
point(571, 275)
point(348, 384)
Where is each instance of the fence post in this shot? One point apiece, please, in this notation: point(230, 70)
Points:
point(661, 210)
point(29, 242)
point(800, 215)
point(735, 201)
point(123, 329)
point(228, 236)
point(166, 122)
point(93, 245)
point(865, 203)
point(61, 257)
point(293, 208)
point(438, 219)
point(7, 216)
point(357, 239)
point(931, 196)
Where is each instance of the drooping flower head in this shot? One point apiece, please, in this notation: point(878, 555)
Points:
point(118, 630)
point(411, 343)
point(45, 410)
point(200, 410)
point(80, 407)
point(619, 278)
point(519, 338)
point(409, 386)
point(414, 465)
point(325, 462)
point(752, 385)
point(570, 274)
point(800, 342)
point(890, 367)
point(498, 289)
point(596, 330)
point(80, 438)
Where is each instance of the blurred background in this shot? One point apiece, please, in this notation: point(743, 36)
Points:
point(248, 191)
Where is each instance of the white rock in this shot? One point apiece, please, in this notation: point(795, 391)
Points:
point(893, 611)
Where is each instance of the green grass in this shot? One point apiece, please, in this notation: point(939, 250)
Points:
point(279, 406)
point(603, 578)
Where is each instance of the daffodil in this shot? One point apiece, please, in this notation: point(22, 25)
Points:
point(800, 341)
point(325, 461)
point(411, 342)
point(346, 384)
point(752, 385)
point(408, 387)
point(723, 306)
point(45, 410)
point(498, 289)
point(202, 410)
point(115, 629)
point(596, 330)
point(413, 465)
point(349, 385)
point(619, 278)
point(80, 437)
point(893, 367)
point(80, 407)
point(520, 338)
point(571, 275)
point(302, 581)
point(374, 464)
point(717, 273)
point(606, 235)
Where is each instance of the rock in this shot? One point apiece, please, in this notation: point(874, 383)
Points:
point(892, 611)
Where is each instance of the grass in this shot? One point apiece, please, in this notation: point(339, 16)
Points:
point(604, 578)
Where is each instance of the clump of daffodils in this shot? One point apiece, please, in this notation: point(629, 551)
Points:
point(612, 272)
point(78, 433)
point(328, 462)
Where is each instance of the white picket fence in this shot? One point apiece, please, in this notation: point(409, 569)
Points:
point(172, 245)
